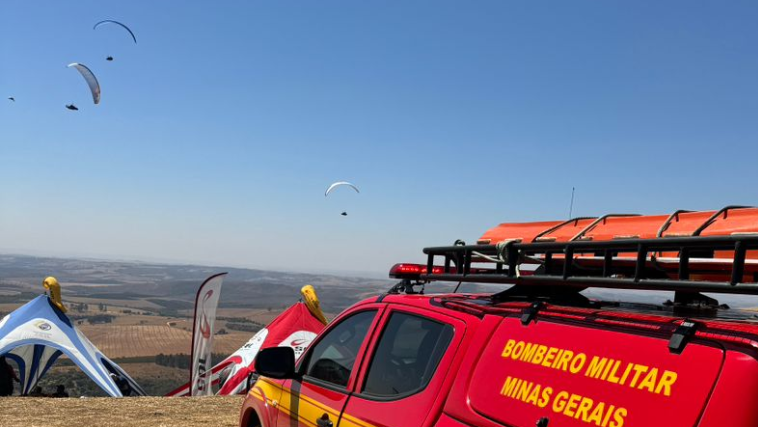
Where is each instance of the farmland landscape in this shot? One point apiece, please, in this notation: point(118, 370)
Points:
point(140, 314)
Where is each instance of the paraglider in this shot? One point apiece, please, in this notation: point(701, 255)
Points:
point(72, 107)
point(339, 184)
point(90, 78)
point(12, 98)
point(110, 58)
point(108, 21)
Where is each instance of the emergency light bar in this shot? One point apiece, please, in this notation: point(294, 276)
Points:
point(413, 271)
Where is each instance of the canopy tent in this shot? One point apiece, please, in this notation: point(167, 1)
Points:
point(296, 327)
point(37, 333)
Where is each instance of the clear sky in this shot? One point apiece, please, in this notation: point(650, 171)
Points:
point(219, 131)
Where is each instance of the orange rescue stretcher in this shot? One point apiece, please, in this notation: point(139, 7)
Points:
point(713, 265)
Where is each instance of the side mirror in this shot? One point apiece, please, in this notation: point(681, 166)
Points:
point(276, 362)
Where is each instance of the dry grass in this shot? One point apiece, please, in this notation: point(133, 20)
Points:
point(125, 412)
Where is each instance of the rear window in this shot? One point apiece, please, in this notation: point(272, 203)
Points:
point(577, 376)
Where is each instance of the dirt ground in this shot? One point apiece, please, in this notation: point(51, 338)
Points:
point(124, 412)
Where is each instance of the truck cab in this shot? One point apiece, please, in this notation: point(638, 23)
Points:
point(539, 352)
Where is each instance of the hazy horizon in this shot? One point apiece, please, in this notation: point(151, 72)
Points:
point(219, 131)
point(383, 274)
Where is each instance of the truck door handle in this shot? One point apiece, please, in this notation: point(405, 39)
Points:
point(324, 421)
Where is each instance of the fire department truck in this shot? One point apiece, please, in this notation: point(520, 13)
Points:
point(539, 351)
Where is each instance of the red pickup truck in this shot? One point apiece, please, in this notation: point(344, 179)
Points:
point(539, 352)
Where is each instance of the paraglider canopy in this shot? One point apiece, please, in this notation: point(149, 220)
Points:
point(90, 78)
point(72, 107)
point(340, 184)
point(109, 21)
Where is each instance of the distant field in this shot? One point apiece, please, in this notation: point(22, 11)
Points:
point(166, 289)
point(257, 315)
point(133, 311)
point(126, 412)
point(8, 307)
point(125, 303)
point(132, 334)
point(119, 341)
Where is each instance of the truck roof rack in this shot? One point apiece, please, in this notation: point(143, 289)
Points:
point(663, 252)
point(688, 264)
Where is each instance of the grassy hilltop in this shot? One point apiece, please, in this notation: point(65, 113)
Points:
point(127, 412)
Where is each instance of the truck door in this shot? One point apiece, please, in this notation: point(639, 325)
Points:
point(401, 383)
point(575, 376)
point(329, 369)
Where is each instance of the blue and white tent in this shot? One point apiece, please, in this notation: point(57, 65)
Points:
point(37, 333)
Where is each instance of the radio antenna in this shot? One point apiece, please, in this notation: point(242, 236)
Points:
point(571, 206)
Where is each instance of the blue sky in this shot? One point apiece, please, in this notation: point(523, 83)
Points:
point(219, 131)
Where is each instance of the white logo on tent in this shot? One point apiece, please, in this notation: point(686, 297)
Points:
point(299, 341)
point(251, 348)
point(43, 326)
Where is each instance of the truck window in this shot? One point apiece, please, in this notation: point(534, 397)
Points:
point(333, 357)
point(408, 352)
